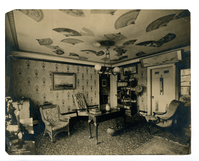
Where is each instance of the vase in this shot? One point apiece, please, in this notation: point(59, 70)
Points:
point(111, 131)
point(108, 108)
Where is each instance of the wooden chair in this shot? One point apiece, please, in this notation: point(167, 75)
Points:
point(50, 115)
point(82, 107)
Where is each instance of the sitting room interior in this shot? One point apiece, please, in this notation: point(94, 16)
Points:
point(97, 82)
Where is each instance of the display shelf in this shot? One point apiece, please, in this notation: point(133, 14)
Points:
point(126, 97)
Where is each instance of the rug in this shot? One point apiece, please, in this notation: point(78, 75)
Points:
point(133, 140)
point(160, 146)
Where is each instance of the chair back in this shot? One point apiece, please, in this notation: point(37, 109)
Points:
point(171, 110)
point(50, 113)
point(80, 101)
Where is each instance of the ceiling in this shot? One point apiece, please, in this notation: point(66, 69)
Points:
point(84, 35)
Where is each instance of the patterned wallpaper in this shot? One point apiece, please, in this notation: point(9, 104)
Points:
point(33, 79)
point(141, 76)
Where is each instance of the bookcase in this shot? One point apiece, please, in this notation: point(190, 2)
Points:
point(126, 97)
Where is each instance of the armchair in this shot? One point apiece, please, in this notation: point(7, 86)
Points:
point(174, 119)
point(82, 107)
point(50, 115)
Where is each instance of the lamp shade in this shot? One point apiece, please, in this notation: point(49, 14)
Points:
point(116, 70)
point(97, 67)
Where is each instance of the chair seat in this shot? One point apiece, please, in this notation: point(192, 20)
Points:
point(149, 117)
point(58, 125)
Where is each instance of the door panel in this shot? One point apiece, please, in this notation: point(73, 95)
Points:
point(163, 91)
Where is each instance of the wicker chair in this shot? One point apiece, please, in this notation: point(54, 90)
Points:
point(50, 115)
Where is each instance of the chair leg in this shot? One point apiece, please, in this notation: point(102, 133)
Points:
point(68, 130)
point(45, 132)
point(147, 125)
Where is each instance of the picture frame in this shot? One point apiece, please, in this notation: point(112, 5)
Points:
point(131, 69)
point(63, 81)
point(104, 82)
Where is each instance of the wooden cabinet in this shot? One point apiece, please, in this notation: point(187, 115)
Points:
point(126, 97)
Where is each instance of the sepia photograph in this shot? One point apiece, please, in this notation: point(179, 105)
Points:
point(98, 82)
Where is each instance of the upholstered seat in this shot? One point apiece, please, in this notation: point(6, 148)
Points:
point(175, 117)
point(50, 115)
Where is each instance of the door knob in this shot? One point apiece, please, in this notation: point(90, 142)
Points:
point(152, 97)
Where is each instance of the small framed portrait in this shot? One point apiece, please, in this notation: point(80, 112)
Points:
point(131, 69)
point(104, 83)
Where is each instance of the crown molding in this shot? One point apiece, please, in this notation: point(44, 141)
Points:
point(11, 23)
point(52, 58)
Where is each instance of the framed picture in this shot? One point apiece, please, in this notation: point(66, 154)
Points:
point(132, 69)
point(104, 83)
point(64, 81)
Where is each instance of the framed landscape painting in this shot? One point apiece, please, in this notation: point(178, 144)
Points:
point(64, 81)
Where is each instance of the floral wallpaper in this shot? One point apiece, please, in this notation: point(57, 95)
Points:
point(33, 79)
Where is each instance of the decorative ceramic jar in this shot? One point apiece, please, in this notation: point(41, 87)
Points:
point(111, 131)
point(108, 108)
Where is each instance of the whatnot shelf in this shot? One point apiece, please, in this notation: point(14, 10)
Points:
point(126, 97)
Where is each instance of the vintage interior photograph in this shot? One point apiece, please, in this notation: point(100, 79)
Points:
point(98, 82)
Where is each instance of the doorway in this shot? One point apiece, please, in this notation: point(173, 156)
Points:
point(161, 87)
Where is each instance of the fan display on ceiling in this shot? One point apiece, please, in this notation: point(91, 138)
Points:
point(35, 14)
point(127, 19)
point(163, 21)
point(46, 41)
point(86, 32)
point(101, 11)
point(59, 52)
point(160, 22)
point(73, 12)
point(123, 33)
point(165, 39)
point(129, 42)
point(79, 57)
point(115, 37)
point(183, 14)
point(67, 32)
point(99, 53)
point(72, 41)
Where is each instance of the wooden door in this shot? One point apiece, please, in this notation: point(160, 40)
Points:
point(162, 88)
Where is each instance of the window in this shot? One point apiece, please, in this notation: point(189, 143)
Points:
point(185, 75)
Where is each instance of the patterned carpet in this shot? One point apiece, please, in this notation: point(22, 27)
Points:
point(130, 141)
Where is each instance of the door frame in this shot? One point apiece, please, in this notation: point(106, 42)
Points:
point(149, 86)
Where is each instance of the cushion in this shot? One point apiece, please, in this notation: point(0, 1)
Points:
point(59, 125)
point(51, 114)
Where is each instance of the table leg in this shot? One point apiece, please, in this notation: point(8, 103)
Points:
point(96, 128)
point(116, 120)
point(89, 126)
